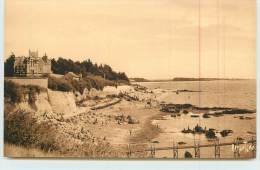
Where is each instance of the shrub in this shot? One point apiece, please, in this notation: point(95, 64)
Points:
point(59, 84)
point(14, 92)
point(98, 82)
point(69, 84)
point(19, 128)
point(22, 128)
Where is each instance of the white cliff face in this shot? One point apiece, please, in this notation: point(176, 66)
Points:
point(62, 102)
point(51, 102)
point(42, 103)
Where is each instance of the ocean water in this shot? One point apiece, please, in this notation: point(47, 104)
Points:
point(224, 93)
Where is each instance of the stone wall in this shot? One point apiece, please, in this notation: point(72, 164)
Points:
point(42, 82)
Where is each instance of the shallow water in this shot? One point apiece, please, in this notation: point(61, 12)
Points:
point(240, 94)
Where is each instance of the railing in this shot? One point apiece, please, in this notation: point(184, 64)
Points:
point(132, 149)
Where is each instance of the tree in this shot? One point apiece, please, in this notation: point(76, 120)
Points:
point(87, 67)
point(9, 66)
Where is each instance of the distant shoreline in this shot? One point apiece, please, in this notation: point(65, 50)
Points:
point(205, 79)
point(186, 79)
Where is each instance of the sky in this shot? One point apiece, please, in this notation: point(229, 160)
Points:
point(154, 39)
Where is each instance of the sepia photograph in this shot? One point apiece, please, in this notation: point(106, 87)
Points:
point(130, 79)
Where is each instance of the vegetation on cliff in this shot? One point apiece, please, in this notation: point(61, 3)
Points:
point(15, 93)
point(69, 84)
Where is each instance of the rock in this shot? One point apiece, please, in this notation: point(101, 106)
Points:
point(85, 93)
point(78, 96)
point(248, 118)
point(187, 130)
point(195, 116)
point(132, 120)
point(198, 129)
point(185, 111)
point(210, 134)
point(120, 118)
point(237, 111)
point(187, 155)
point(205, 115)
point(181, 143)
point(241, 117)
point(225, 133)
point(218, 114)
point(240, 139)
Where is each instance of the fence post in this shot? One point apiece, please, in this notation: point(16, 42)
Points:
point(236, 149)
point(175, 151)
point(129, 153)
point(197, 150)
point(217, 148)
point(152, 151)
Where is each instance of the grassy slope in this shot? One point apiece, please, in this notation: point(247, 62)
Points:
point(11, 150)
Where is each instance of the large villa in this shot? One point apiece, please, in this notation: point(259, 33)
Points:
point(33, 65)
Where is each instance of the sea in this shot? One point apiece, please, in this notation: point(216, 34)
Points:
point(218, 93)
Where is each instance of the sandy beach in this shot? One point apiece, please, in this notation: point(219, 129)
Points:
point(160, 129)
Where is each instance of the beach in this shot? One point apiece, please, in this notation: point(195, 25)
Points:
point(133, 118)
point(159, 129)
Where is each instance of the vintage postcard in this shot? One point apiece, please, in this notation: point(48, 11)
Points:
point(130, 79)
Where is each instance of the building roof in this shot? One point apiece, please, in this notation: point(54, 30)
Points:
point(73, 75)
